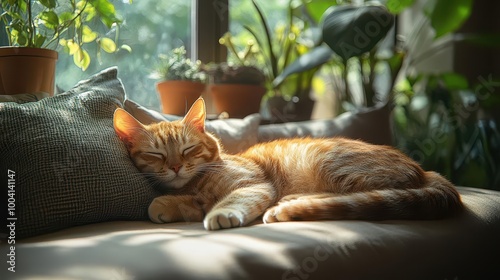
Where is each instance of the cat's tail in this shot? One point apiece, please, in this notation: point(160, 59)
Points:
point(436, 199)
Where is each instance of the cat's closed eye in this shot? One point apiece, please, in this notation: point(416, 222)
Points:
point(153, 156)
point(189, 149)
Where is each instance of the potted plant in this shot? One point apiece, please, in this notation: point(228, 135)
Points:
point(181, 81)
point(236, 90)
point(273, 48)
point(438, 119)
point(34, 29)
point(346, 32)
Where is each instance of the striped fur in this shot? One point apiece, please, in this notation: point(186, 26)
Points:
point(284, 180)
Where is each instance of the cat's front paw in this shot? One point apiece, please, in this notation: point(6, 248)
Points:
point(223, 218)
point(160, 211)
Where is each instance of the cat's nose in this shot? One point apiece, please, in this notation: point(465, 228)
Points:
point(176, 168)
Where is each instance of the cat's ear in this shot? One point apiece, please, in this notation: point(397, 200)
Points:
point(196, 115)
point(126, 126)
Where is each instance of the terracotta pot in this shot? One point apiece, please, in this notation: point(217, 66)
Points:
point(238, 100)
point(27, 70)
point(178, 96)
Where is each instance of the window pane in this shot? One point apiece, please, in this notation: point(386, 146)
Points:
point(150, 27)
point(242, 13)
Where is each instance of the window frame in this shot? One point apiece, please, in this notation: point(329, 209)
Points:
point(209, 22)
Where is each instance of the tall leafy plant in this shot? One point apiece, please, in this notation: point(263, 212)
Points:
point(280, 48)
point(445, 124)
point(274, 47)
point(440, 119)
point(367, 26)
point(350, 35)
point(271, 48)
point(73, 24)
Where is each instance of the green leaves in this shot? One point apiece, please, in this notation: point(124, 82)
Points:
point(351, 31)
point(49, 19)
point(397, 6)
point(107, 45)
point(454, 81)
point(348, 31)
point(51, 4)
point(317, 8)
point(316, 57)
point(66, 23)
point(40, 40)
point(22, 39)
point(81, 58)
point(106, 11)
point(126, 48)
point(442, 124)
point(272, 56)
point(448, 15)
point(88, 35)
point(176, 66)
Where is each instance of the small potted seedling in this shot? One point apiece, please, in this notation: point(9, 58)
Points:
point(181, 81)
point(236, 90)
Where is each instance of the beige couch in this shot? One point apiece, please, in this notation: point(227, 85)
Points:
point(466, 247)
point(81, 208)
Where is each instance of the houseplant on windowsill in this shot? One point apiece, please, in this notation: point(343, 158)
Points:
point(347, 32)
point(34, 29)
point(181, 81)
point(274, 48)
point(236, 89)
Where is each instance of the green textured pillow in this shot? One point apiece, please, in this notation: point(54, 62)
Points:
point(70, 167)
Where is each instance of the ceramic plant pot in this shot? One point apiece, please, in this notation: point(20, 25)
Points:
point(238, 100)
point(177, 96)
point(27, 70)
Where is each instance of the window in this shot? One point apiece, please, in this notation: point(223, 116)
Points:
point(150, 28)
point(242, 13)
point(153, 27)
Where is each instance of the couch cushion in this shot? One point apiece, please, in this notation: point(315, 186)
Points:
point(368, 124)
point(70, 167)
point(464, 247)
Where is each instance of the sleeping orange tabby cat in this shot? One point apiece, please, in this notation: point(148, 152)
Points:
point(284, 180)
